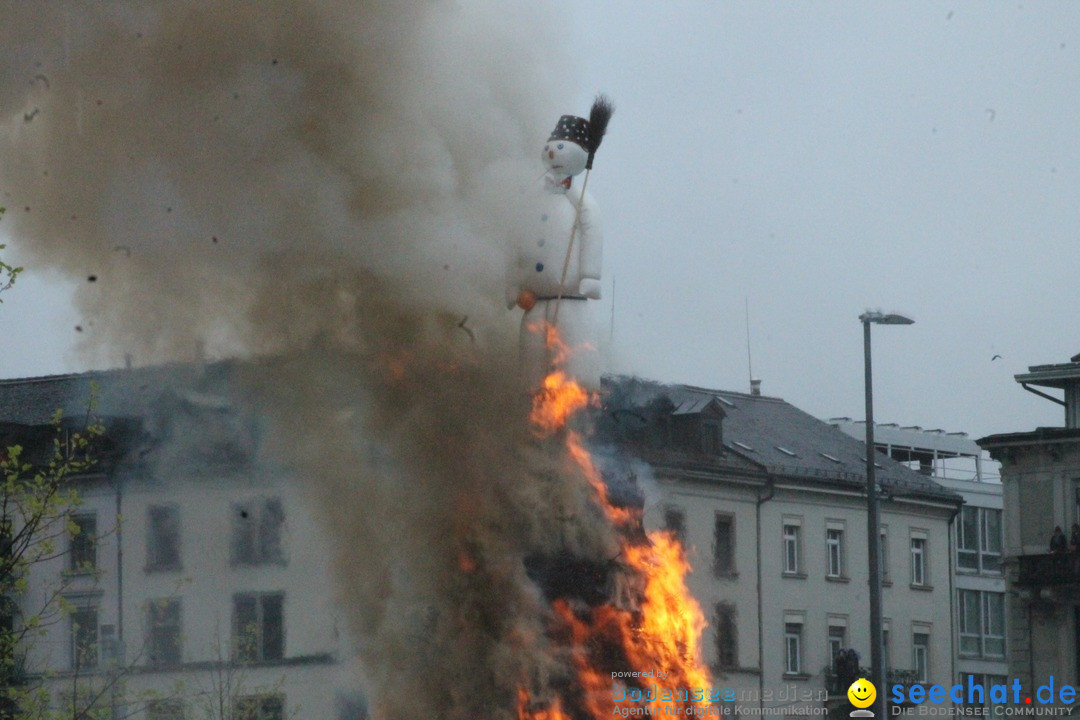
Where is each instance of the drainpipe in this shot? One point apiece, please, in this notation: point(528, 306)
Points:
point(770, 491)
point(1030, 645)
point(119, 567)
point(116, 480)
point(952, 594)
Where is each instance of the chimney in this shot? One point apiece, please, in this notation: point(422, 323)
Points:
point(755, 386)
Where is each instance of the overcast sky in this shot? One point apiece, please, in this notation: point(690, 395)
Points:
point(810, 161)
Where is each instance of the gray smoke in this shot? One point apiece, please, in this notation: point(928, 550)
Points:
point(331, 185)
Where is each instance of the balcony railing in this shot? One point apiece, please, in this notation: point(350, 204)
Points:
point(838, 686)
point(1050, 569)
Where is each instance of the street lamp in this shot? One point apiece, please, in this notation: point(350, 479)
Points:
point(873, 525)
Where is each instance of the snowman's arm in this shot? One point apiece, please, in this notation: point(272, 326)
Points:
point(591, 250)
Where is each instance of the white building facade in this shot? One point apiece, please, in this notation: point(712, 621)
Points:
point(771, 505)
point(198, 583)
point(956, 462)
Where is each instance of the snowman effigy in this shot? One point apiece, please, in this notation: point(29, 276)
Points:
point(558, 264)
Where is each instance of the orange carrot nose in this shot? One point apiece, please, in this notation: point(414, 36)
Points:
point(551, 154)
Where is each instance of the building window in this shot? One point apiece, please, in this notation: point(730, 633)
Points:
point(969, 607)
point(257, 527)
point(696, 427)
point(163, 541)
point(82, 543)
point(994, 624)
point(977, 698)
point(259, 707)
point(165, 710)
point(834, 546)
point(967, 539)
point(724, 545)
point(990, 540)
point(792, 648)
point(920, 656)
point(982, 623)
point(711, 443)
point(727, 639)
point(837, 642)
point(791, 548)
point(918, 561)
point(1076, 500)
point(675, 523)
point(164, 624)
point(84, 638)
point(978, 540)
point(258, 626)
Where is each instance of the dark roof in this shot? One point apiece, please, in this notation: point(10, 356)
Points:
point(127, 393)
point(780, 438)
point(168, 418)
point(760, 433)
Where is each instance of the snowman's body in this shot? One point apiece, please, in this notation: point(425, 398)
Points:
point(539, 270)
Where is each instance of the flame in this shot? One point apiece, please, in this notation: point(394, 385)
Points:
point(554, 712)
point(559, 397)
point(556, 402)
point(671, 620)
point(623, 518)
point(651, 624)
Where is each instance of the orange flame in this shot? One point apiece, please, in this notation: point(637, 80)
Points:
point(555, 403)
point(671, 620)
point(623, 518)
point(661, 635)
point(551, 713)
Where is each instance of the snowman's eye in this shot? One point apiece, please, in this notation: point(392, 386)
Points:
point(560, 146)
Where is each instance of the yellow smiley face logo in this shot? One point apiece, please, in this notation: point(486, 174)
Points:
point(862, 693)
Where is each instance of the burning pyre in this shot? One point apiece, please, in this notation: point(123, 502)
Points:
point(633, 616)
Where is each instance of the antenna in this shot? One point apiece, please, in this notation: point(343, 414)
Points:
point(611, 330)
point(749, 362)
point(611, 323)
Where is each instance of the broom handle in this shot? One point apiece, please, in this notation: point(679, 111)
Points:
point(570, 249)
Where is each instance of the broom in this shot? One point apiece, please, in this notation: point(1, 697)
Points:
point(599, 115)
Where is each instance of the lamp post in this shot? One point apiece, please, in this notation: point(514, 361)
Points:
point(873, 524)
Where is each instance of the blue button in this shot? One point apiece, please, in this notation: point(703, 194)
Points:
point(539, 267)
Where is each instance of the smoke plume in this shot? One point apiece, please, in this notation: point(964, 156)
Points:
point(331, 185)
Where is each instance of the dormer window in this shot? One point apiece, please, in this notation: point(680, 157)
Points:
point(710, 436)
point(697, 426)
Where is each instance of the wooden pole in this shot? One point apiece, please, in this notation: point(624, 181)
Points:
point(570, 249)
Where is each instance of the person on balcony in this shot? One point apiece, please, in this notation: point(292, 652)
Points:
point(1058, 543)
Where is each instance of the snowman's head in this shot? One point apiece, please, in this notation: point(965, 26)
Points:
point(564, 158)
point(564, 154)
